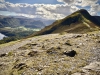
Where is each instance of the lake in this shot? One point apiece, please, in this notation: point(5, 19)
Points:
point(1, 36)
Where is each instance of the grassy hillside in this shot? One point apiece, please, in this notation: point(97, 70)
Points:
point(78, 22)
point(52, 55)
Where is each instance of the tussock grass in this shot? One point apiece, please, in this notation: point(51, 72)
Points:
point(50, 59)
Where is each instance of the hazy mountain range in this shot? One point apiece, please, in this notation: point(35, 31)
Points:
point(15, 22)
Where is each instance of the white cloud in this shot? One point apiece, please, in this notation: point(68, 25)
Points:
point(57, 11)
point(49, 11)
point(93, 5)
point(26, 15)
point(42, 10)
point(95, 9)
point(84, 3)
point(2, 0)
point(67, 1)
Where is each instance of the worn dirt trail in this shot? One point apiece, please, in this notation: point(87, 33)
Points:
point(6, 49)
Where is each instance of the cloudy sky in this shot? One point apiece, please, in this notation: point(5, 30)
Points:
point(48, 9)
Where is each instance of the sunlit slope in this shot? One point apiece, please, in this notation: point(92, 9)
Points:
point(78, 22)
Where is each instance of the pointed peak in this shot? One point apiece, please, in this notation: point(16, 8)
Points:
point(82, 11)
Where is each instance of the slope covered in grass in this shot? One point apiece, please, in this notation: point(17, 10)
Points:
point(78, 22)
point(48, 55)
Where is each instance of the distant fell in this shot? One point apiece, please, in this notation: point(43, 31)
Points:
point(78, 22)
point(6, 21)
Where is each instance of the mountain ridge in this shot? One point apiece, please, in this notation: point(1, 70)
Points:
point(78, 22)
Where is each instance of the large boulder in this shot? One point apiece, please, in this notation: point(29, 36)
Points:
point(71, 53)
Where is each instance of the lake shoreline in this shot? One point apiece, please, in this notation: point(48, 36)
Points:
point(2, 36)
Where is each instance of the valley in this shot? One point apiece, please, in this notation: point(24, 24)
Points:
point(18, 28)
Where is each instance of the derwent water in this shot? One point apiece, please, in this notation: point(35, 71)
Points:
point(1, 36)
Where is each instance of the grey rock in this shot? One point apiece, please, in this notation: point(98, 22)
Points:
point(71, 53)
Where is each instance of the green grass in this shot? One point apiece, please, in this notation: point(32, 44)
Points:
point(8, 44)
point(78, 22)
